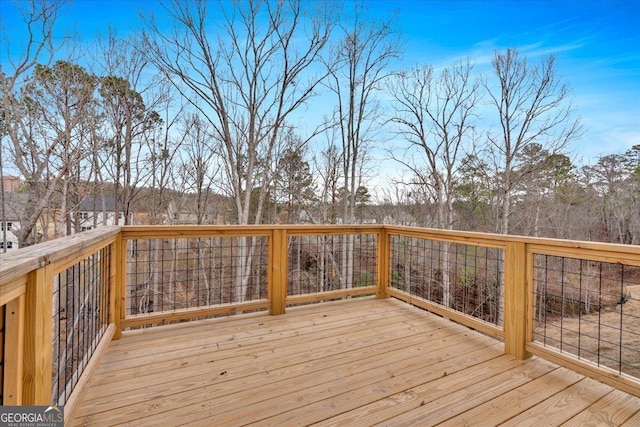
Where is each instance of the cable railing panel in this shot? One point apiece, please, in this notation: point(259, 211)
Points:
point(588, 309)
point(328, 263)
point(173, 274)
point(465, 278)
point(80, 318)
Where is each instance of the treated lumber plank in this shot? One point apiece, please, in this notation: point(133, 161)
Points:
point(608, 376)
point(72, 404)
point(330, 295)
point(341, 400)
point(249, 320)
point(300, 352)
point(437, 400)
point(278, 273)
point(193, 313)
point(11, 291)
point(380, 410)
point(244, 376)
point(19, 264)
point(228, 328)
point(327, 325)
point(348, 368)
point(455, 236)
point(451, 314)
point(149, 357)
point(204, 231)
point(38, 330)
point(263, 324)
point(392, 340)
point(579, 249)
point(612, 410)
point(633, 421)
point(290, 354)
point(117, 270)
point(296, 394)
point(515, 300)
point(257, 326)
point(436, 321)
point(518, 400)
point(563, 405)
point(584, 250)
point(382, 263)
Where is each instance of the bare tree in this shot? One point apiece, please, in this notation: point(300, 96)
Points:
point(39, 17)
point(435, 115)
point(246, 83)
point(199, 166)
point(131, 98)
point(54, 106)
point(164, 157)
point(327, 170)
point(69, 109)
point(533, 106)
point(358, 71)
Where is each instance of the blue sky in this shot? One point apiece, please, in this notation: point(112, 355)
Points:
point(597, 45)
point(596, 42)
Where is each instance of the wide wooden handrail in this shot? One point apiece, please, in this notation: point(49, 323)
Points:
point(16, 265)
point(26, 277)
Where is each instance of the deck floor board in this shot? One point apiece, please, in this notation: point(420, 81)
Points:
point(361, 361)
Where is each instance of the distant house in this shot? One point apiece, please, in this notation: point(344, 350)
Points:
point(7, 238)
point(91, 213)
point(10, 183)
point(14, 205)
point(179, 213)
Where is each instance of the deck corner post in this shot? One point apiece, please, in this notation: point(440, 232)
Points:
point(278, 278)
point(38, 335)
point(515, 300)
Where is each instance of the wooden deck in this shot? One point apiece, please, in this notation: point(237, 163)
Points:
point(356, 362)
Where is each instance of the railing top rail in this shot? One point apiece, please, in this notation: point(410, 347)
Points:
point(502, 239)
point(260, 229)
point(483, 239)
point(16, 264)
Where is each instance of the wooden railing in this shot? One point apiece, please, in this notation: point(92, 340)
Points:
point(506, 286)
point(28, 283)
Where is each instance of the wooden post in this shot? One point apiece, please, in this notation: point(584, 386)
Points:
point(383, 263)
point(13, 360)
point(117, 281)
point(279, 265)
point(38, 334)
point(515, 300)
